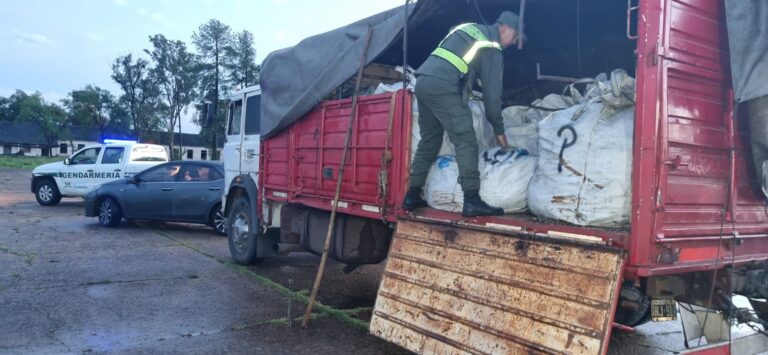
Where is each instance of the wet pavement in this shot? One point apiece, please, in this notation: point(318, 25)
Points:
point(69, 285)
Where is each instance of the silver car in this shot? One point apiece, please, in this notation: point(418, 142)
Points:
point(178, 191)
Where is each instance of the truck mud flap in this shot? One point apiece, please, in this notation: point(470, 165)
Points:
point(455, 289)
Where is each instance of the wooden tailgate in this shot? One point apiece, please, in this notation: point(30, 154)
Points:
point(453, 289)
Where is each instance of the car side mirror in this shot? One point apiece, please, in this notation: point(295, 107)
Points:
point(135, 180)
point(67, 161)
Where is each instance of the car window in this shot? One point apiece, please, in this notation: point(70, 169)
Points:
point(252, 114)
point(235, 113)
point(200, 173)
point(149, 153)
point(85, 157)
point(112, 155)
point(163, 173)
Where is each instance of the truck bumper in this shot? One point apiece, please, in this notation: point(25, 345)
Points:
point(454, 288)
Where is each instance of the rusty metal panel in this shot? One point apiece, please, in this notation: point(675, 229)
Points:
point(451, 289)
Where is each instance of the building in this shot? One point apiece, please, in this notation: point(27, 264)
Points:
point(26, 138)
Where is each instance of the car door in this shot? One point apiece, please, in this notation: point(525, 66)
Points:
point(109, 167)
point(77, 176)
point(150, 196)
point(198, 189)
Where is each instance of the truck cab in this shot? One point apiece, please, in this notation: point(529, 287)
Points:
point(92, 166)
point(241, 149)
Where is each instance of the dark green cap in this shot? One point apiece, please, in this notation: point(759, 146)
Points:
point(511, 19)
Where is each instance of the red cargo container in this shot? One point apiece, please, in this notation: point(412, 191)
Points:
point(688, 156)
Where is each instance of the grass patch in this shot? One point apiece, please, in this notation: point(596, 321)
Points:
point(22, 162)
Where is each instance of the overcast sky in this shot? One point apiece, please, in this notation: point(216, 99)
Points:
point(54, 46)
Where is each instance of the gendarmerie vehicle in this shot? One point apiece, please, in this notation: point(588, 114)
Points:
point(92, 166)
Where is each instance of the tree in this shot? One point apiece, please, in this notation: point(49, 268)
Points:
point(33, 108)
point(213, 40)
point(90, 107)
point(140, 93)
point(175, 71)
point(119, 115)
point(5, 109)
point(241, 61)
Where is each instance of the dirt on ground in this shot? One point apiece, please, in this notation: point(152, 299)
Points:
point(69, 285)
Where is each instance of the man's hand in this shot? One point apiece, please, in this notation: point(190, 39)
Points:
point(502, 140)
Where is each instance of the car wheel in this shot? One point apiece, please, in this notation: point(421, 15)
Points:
point(242, 232)
point(47, 194)
point(217, 221)
point(109, 212)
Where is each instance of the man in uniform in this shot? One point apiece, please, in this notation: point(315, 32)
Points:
point(469, 52)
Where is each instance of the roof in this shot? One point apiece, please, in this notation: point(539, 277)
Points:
point(82, 133)
point(12, 132)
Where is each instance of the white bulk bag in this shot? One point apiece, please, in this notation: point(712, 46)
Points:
point(583, 175)
point(504, 178)
point(442, 190)
point(521, 131)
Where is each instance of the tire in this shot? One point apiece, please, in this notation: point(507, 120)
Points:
point(217, 221)
point(109, 212)
point(47, 193)
point(242, 232)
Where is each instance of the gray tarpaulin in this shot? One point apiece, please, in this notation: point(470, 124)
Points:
point(748, 39)
point(295, 79)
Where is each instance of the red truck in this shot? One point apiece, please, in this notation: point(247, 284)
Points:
point(698, 231)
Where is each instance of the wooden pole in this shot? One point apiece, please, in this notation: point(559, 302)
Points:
point(334, 205)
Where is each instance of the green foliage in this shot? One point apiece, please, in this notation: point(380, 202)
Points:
point(240, 62)
point(22, 162)
point(90, 107)
point(140, 97)
point(32, 108)
point(213, 41)
point(175, 70)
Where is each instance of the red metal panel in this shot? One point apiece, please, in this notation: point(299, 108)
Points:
point(304, 159)
point(684, 104)
point(275, 166)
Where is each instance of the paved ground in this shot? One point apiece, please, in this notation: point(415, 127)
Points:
point(68, 285)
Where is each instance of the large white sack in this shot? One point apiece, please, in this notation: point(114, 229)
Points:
point(592, 183)
point(549, 103)
point(504, 178)
point(521, 132)
point(442, 190)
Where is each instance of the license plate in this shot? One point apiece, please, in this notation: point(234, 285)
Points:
point(663, 310)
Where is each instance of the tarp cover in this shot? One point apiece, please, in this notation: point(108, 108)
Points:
point(748, 39)
point(295, 79)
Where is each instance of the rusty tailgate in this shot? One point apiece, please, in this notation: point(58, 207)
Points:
point(456, 289)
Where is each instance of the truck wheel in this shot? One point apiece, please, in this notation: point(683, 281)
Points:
point(47, 194)
point(242, 232)
point(217, 221)
point(109, 212)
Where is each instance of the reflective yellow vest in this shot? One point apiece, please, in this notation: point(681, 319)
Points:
point(462, 63)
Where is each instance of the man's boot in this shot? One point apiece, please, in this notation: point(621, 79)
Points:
point(413, 199)
point(475, 206)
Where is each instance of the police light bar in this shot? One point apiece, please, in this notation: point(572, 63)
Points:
point(107, 141)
